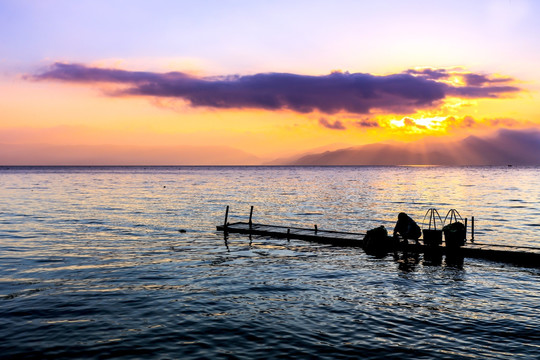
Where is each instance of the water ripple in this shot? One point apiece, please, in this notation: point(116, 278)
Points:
point(93, 265)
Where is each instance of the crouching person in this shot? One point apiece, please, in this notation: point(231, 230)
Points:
point(406, 228)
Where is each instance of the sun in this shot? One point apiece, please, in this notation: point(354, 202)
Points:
point(419, 125)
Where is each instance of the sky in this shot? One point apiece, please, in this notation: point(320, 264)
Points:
point(219, 82)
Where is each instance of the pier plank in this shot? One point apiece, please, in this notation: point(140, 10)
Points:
point(524, 256)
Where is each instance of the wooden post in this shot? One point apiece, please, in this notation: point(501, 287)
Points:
point(315, 228)
point(250, 216)
point(226, 216)
point(288, 234)
point(472, 228)
point(465, 228)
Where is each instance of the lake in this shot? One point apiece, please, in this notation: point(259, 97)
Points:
point(93, 264)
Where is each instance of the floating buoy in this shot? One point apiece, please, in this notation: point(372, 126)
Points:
point(182, 230)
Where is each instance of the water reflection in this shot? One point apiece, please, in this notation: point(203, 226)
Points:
point(433, 257)
point(407, 261)
point(102, 248)
point(455, 259)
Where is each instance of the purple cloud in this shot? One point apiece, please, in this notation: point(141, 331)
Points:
point(338, 92)
point(480, 80)
point(367, 123)
point(434, 74)
point(482, 91)
point(81, 73)
point(336, 125)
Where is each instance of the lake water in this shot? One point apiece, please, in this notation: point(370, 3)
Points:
point(93, 265)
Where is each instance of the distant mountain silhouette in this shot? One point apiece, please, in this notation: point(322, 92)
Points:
point(518, 147)
point(284, 160)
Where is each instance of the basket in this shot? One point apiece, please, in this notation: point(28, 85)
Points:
point(455, 231)
point(454, 235)
point(432, 236)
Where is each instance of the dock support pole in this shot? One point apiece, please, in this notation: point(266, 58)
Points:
point(465, 228)
point(288, 234)
point(472, 228)
point(226, 216)
point(315, 228)
point(250, 216)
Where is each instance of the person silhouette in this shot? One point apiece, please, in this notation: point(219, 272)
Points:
point(407, 228)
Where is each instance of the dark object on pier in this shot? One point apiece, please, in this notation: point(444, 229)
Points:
point(377, 242)
point(407, 228)
point(518, 255)
point(455, 230)
point(432, 236)
point(454, 234)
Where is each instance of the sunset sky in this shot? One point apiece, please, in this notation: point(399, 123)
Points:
point(173, 82)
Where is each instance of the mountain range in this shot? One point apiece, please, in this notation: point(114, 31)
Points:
point(506, 147)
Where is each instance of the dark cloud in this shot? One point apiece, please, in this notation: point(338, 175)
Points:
point(352, 93)
point(475, 79)
point(336, 125)
point(476, 85)
point(81, 73)
point(434, 74)
point(367, 123)
point(482, 91)
point(480, 80)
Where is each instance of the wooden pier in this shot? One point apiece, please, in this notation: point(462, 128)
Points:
point(518, 255)
point(337, 238)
